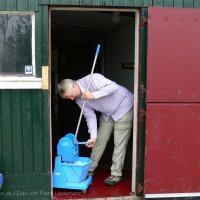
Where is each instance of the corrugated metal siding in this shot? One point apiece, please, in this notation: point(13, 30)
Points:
point(125, 3)
point(25, 5)
point(23, 131)
point(33, 4)
point(24, 143)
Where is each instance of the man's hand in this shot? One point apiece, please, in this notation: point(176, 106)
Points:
point(91, 142)
point(88, 95)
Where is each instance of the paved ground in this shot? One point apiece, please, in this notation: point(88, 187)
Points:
point(108, 198)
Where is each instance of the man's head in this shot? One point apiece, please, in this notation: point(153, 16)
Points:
point(69, 89)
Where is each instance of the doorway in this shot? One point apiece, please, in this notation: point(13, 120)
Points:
point(75, 34)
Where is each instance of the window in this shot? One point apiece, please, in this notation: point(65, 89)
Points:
point(17, 49)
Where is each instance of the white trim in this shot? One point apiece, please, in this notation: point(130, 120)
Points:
point(136, 93)
point(194, 194)
point(18, 12)
point(20, 83)
point(16, 81)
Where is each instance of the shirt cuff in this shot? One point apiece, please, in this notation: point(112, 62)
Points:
point(93, 135)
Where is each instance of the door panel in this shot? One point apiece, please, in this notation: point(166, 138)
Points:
point(172, 161)
point(173, 103)
point(173, 55)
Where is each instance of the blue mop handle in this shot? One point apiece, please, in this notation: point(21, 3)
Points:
point(81, 142)
point(84, 143)
point(95, 58)
point(80, 117)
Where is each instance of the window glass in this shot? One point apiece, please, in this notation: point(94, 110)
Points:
point(16, 44)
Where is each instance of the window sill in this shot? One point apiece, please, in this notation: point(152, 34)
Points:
point(20, 83)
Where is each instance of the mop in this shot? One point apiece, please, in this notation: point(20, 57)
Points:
point(70, 170)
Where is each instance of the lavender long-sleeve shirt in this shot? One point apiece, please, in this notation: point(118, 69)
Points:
point(111, 99)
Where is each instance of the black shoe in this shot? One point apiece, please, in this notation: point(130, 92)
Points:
point(113, 180)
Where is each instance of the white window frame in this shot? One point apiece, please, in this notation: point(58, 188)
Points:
point(18, 81)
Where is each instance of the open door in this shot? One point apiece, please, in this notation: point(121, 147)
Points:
point(74, 35)
point(172, 156)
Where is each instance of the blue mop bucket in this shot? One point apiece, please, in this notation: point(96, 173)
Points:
point(78, 171)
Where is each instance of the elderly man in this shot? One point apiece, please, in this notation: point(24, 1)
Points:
point(115, 103)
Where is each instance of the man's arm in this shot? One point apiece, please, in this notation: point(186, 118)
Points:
point(90, 117)
point(103, 87)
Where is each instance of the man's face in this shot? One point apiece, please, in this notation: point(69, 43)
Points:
point(73, 94)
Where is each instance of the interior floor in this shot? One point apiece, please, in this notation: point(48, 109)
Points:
point(98, 188)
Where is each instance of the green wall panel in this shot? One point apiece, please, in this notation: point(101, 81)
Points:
point(45, 35)
point(86, 2)
point(188, 3)
point(168, 3)
point(55, 2)
point(158, 2)
point(43, 1)
point(26, 186)
point(137, 3)
point(25, 141)
point(27, 120)
point(22, 5)
point(148, 3)
point(11, 4)
point(19, 5)
point(6, 127)
point(17, 137)
point(2, 4)
point(178, 3)
point(65, 2)
point(38, 156)
point(32, 5)
point(76, 2)
point(123, 3)
point(196, 3)
point(128, 3)
point(46, 133)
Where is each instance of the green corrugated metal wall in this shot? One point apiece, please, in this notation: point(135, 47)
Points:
point(24, 131)
point(125, 3)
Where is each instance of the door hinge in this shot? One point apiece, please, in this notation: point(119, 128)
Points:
point(142, 114)
point(142, 91)
point(143, 21)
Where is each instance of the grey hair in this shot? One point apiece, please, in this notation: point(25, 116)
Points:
point(65, 85)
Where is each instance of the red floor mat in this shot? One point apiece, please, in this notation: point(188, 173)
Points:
point(98, 188)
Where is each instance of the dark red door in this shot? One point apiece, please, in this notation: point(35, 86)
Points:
point(172, 158)
point(173, 55)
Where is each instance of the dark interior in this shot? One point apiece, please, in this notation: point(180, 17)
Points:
point(74, 38)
